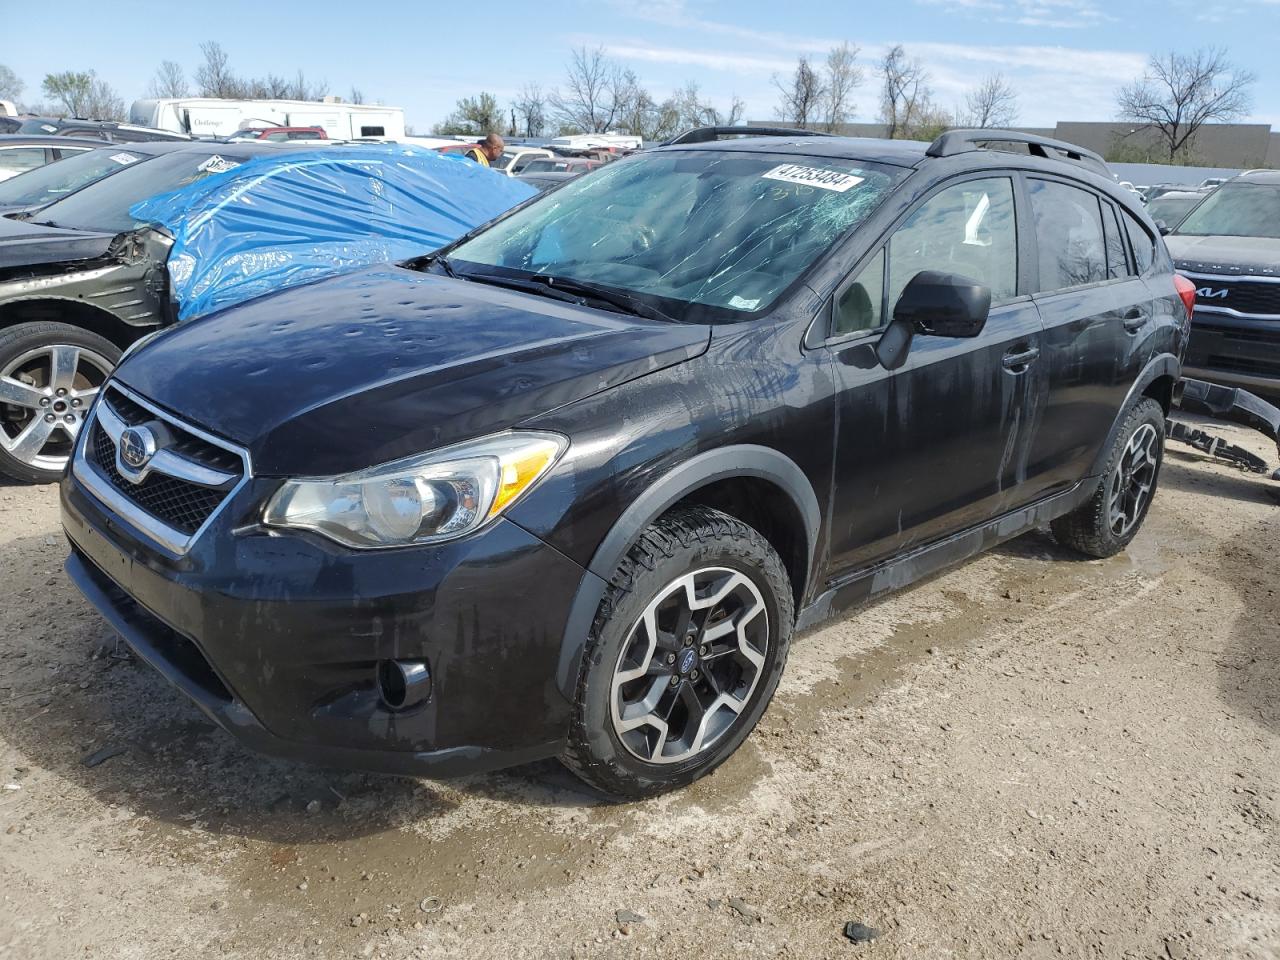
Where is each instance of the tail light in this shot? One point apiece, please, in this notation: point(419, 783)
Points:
point(1187, 291)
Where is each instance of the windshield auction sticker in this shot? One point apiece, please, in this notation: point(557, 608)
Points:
point(124, 159)
point(217, 164)
point(832, 180)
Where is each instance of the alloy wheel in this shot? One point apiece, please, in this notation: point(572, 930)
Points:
point(1132, 480)
point(45, 395)
point(689, 665)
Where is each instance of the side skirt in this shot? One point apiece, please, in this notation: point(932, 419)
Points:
point(862, 585)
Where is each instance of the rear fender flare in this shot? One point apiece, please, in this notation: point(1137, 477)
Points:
point(1162, 365)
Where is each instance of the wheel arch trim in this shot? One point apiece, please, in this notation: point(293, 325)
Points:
point(1161, 365)
point(723, 463)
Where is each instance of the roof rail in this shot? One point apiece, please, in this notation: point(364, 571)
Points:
point(962, 141)
point(708, 134)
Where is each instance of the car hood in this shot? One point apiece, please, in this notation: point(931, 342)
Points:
point(24, 244)
point(387, 362)
point(1226, 256)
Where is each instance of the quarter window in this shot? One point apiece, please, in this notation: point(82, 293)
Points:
point(967, 229)
point(1069, 233)
point(1144, 248)
point(1117, 260)
point(861, 305)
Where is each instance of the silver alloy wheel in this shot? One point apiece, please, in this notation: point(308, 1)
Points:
point(1132, 480)
point(689, 665)
point(52, 387)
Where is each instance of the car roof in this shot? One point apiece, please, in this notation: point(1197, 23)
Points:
point(1260, 176)
point(40, 140)
point(902, 153)
point(155, 148)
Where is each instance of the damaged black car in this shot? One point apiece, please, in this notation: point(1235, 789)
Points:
point(568, 487)
point(81, 280)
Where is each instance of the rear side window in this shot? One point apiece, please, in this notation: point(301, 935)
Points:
point(1144, 247)
point(1069, 234)
point(1117, 259)
point(967, 229)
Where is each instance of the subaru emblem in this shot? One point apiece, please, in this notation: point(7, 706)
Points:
point(137, 447)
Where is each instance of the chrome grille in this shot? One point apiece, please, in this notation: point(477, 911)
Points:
point(172, 497)
point(182, 505)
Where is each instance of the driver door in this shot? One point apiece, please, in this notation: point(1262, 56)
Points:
point(939, 444)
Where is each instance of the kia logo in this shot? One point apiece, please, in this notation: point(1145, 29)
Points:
point(1208, 293)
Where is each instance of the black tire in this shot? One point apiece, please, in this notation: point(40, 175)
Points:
point(22, 339)
point(683, 541)
point(1090, 528)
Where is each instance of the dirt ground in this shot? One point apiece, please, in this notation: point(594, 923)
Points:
point(1032, 755)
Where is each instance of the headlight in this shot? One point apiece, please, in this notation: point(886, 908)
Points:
point(437, 496)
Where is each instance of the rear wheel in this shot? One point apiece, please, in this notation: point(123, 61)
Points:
point(49, 376)
point(683, 657)
point(1104, 524)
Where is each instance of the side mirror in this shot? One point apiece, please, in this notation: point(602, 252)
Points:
point(944, 305)
point(937, 304)
point(1164, 228)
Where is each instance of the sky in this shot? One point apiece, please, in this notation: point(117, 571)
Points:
point(1066, 58)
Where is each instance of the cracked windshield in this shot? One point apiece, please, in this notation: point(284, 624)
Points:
point(730, 231)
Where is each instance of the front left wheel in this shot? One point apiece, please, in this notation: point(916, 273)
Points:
point(684, 655)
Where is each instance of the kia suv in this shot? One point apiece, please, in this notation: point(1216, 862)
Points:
point(1229, 246)
point(569, 486)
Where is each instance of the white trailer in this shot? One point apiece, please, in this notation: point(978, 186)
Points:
point(211, 117)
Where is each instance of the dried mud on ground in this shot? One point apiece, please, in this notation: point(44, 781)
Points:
point(1031, 755)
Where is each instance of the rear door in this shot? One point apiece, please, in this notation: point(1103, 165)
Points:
point(1096, 310)
point(939, 444)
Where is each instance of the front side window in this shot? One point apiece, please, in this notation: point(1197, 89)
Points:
point(968, 229)
point(1236, 209)
point(706, 235)
point(1073, 250)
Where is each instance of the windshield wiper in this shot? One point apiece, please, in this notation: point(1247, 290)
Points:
point(443, 261)
point(619, 301)
point(524, 286)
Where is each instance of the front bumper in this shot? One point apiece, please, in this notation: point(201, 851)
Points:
point(276, 636)
point(1235, 351)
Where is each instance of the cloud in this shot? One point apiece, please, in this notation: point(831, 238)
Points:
point(1053, 82)
point(1055, 14)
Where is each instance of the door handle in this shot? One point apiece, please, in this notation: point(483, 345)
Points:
point(1134, 319)
point(1018, 362)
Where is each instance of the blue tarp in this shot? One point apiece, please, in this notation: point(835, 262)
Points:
point(277, 221)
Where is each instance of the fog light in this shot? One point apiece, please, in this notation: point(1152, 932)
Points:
point(403, 683)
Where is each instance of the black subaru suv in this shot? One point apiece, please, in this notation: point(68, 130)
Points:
point(569, 486)
point(1229, 245)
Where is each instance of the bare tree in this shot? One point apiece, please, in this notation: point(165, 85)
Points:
point(169, 81)
point(905, 97)
point(993, 103)
point(800, 99)
point(214, 77)
point(10, 85)
point(355, 96)
point(596, 92)
point(843, 77)
point(531, 110)
point(82, 94)
point(1179, 93)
